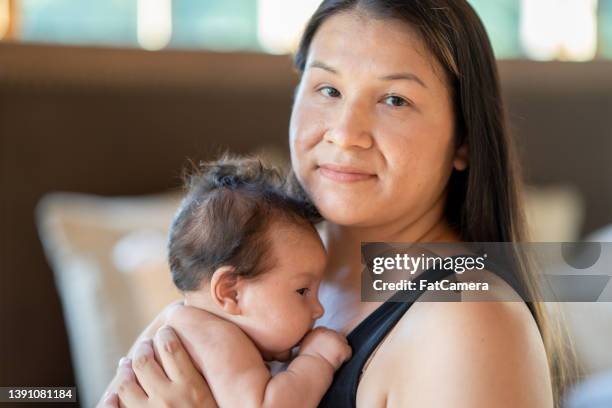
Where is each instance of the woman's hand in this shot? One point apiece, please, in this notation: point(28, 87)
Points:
point(143, 382)
point(177, 377)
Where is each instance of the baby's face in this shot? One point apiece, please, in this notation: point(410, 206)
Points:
point(280, 306)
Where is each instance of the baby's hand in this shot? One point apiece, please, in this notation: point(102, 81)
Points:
point(328, 344)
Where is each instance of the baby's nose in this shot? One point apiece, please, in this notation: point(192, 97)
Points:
point(317, 309)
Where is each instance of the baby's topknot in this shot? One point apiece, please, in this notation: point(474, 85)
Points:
point(230, 204)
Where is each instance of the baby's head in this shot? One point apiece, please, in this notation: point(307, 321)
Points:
point(245, 249)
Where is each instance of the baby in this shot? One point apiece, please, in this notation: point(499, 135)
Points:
point(249, 262)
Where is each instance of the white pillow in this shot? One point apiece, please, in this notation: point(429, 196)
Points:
point(109, 260)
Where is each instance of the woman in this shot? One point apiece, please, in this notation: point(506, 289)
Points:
point(397, 134)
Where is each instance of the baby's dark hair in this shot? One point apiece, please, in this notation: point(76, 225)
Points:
point(225, 216)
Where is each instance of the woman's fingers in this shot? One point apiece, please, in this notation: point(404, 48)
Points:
point(150, 375)
point(128, 390)
point(110, 400)
point(190, 388)
point(174, 358)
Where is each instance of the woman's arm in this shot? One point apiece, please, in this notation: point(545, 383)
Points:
point(470, 354)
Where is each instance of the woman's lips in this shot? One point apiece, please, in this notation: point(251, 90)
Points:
point(344, 174)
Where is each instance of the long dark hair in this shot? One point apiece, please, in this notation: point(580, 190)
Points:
point(484, 202)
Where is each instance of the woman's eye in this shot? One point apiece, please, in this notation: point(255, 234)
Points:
point(330, 91)
point(302, 291)
point(396, 101)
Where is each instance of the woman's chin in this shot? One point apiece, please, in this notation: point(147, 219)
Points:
point(345, 214)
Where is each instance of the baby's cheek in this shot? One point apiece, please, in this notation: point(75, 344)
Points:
point(290, 331)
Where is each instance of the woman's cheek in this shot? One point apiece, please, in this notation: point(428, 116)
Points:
point(302, 163)
point(307, 134)
point(304, 143)
point(300, 135)
point(405, 172)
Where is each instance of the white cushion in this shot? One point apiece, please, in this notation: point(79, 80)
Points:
point(109, 260)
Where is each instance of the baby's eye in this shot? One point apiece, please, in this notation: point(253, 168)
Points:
point(329, 91)
point(302, 291)
point(396, 101)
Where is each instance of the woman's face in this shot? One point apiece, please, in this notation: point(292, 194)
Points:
point(371, 130)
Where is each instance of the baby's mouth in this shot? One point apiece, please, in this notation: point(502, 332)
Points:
point(282, 356)
point(302, 339)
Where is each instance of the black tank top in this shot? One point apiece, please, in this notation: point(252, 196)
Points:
point(364, 338)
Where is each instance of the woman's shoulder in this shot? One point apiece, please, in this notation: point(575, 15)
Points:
point(473, 353)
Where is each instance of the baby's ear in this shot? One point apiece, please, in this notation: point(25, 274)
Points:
point(224, 289)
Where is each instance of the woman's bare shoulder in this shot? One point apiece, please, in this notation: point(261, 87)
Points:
point(472, 353)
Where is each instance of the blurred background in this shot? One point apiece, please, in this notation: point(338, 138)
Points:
point(102, 102)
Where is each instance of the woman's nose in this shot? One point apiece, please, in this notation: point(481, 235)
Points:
point(352, 127)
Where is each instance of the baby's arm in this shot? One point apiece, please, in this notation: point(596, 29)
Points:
point(236, 372)
point(310, 374)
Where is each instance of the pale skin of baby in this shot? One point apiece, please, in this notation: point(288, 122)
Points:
point(229, 326)
point(353, 109)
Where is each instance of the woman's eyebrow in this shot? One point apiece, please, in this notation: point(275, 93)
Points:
point(393, 77)
point(322, 65)
point(405, 76)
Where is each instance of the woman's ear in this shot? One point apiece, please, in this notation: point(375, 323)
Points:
point(224, 287)
point(461, 160)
